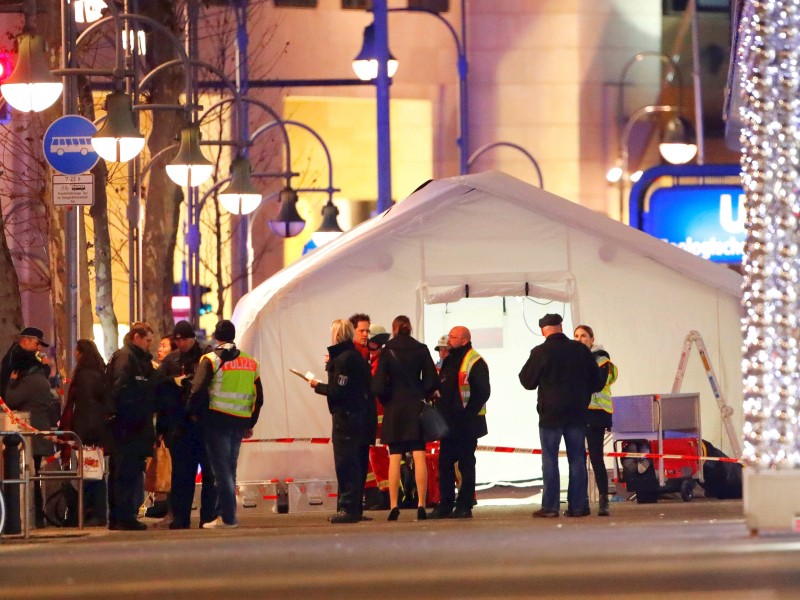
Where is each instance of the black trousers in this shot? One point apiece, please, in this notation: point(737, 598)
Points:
point(188, 452)
point(126, 483)
point(462, 452)
point(351, 459)
point(594, 444)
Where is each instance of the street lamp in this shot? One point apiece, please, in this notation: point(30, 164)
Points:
point(329, 230)
point(240, 197)
point(31, 86)
point(677, 145)
point(190, 167)
point(118, 140)
point(672, 146)
point(678, 142)
point(365, 64)
point(368, 56)
point(288, 223)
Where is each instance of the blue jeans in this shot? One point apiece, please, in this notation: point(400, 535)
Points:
point(577, 492)
point(222, 446)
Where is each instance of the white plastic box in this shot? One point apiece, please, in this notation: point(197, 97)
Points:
point(260, 497)
point(312, 495)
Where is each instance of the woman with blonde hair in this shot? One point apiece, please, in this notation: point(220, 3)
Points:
point(598, 418)
point(353, 414)
point(404, 377)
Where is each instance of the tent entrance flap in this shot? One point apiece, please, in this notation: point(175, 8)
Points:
point(503, 331)
point(558, 286)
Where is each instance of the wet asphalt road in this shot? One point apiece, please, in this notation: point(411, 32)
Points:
point(699, 549)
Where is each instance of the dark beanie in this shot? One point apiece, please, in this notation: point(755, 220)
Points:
point(225, 331)
point(550, 320)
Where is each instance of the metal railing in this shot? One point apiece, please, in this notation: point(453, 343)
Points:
point(29, 476)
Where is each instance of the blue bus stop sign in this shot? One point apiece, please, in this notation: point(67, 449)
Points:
point(68, 145)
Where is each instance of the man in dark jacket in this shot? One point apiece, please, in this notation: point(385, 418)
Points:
point(464, 388)
point(28, 390)
point(132, 407)
point(566, 375)
point(182, 435)
point(352, 411)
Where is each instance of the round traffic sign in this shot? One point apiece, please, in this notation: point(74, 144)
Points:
point(68, 145)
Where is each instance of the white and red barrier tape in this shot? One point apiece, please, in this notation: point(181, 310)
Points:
point(510, 450)
point(325, 440)
point(27, 427)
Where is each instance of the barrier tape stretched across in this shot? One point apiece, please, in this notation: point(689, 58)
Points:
point(30, 428)
point(325, 440)
point(510, 450)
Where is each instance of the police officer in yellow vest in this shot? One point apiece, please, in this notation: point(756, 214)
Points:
point(227, 397)
point(599, 415)
point(464, 391)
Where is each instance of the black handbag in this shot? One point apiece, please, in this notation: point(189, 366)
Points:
point(434, 427)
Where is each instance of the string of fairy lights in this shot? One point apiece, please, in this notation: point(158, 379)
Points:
point(769, 60)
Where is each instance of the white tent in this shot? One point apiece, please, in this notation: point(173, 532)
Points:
point(492, 253)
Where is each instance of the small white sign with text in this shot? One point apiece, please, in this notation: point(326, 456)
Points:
point(73, 190)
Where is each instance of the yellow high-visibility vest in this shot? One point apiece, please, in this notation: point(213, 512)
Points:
point(602, 400)
point(233, 389)
point(470, 358)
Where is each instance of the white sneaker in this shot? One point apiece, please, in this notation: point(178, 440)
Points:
point(218, 523)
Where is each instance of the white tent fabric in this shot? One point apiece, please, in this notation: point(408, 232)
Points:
point(484, 236)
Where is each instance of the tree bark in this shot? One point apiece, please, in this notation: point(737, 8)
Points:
point(104, 297)
point(163, 197)
point(10, 304)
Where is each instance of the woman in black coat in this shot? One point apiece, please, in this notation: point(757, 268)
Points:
point(353, 414)
point(86, 413)
point(405, 376)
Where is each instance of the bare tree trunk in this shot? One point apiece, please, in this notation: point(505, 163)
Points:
point(10, 305)
point(162, 205)
point(104, 297)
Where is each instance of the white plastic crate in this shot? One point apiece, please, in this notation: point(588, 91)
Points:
point(260, 497)
point(312, 495)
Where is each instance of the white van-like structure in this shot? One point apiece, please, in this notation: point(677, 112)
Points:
point(494, 254)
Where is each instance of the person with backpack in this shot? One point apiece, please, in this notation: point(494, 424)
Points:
point(226, 399)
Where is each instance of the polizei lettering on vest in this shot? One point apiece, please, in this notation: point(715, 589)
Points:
point(240, 363)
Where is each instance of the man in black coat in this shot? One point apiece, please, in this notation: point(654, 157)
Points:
point(464, 388)
point(184, 436)
point(27, 389)
point(566, 375)
point(132, 407)
point(352, 411)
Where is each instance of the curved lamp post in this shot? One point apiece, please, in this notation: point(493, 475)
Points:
point(686, 152)
point(485, 148)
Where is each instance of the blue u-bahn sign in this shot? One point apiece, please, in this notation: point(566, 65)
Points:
point(705, 219)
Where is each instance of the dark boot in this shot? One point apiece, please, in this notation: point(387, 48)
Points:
point(603, 509)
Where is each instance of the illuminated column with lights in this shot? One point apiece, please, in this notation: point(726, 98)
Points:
point(768, 56)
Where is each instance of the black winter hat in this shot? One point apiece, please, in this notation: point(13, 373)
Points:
point(225, 331)
point(550, 320)
point(183, 331)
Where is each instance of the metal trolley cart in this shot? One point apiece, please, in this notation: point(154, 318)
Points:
point(657, 424)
